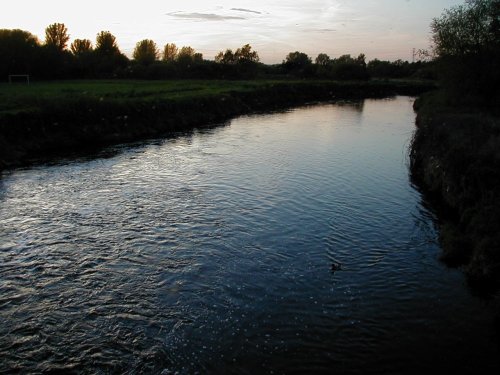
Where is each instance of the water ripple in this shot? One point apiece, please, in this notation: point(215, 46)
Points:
point(211, 252)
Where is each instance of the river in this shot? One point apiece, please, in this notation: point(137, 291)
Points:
point(211, 252)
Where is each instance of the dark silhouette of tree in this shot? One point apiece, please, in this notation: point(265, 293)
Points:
point(400, 69)
point(81, 46)
point(18, 52)
point(109, 59)
point(466, 29)
point(323, 66)
point(57, 35)
point(54, 59)
point(322, 59)
point(146, 52)
point(346, 67)
point(361, 60)
point(467, 45)
point(198, 57)
point(344, 59)
point(246, 55)
point(185, 55)
point(424, 55)
point(297, 60)
point(106, 43)
point(170, 52)
point(84, 61)
point(186, 51)
point(225, 57)
point(53, 63)
point(242, 64)
point(298, 63)
point(379, 68)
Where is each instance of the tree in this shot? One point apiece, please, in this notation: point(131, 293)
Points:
point(297, 60)
point(346, 67)
point(467, 45)
point(344, 59)
point(18, 52)
point(169, 52)
point(323, 59)
point(226, 57)
point(467, 29)
point(424, 55)
point(243, 55)
point(54, 59)
point(298, 63)
point(198, 57)
point(361, 60)
point(108, 58)
point(395, 69)
point(323, 66)
point(246, 55)
point(57, 35)
point(84, 61)
point(106, 43)
point(186, 51)
point(146, 52)
point(185, 55)
point(81, 46)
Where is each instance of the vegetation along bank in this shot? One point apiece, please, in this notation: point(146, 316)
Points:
point(49, 118)
point(455, 156)
point(455, 159)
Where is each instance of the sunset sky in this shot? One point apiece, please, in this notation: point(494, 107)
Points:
point(386, 29)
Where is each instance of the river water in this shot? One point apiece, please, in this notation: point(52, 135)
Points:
point(211, 252)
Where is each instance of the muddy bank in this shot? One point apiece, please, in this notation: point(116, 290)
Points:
point(79, 122)
point(455, 159)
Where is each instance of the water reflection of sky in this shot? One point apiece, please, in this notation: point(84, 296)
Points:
point(387, 29)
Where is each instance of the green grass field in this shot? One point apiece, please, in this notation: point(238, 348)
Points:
point(21, 97)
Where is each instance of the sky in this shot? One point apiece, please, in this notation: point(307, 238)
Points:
point(384, 29)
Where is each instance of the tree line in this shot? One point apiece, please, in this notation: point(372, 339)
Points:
point(22, 53)
point(466, 42)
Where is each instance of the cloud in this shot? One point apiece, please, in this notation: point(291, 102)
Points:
point(203, 16)
point(321, 30)
point(246, 10)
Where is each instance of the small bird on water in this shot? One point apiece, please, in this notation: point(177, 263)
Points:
point(336, 267)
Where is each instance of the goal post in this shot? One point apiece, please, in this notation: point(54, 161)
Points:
point(19, 77)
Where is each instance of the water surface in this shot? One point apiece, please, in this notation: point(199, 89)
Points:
point(211, 252)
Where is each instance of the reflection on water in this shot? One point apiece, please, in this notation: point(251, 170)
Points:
point(211, 252)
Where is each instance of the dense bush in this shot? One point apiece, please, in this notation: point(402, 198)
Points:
point(401, 69)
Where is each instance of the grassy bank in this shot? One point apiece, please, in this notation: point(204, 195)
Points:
point(455, 158)
point(50, 118)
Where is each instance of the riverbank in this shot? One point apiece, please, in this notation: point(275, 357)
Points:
point(44, 119)
point(455, 159)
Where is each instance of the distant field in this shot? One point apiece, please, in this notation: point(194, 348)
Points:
point(21, 97)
